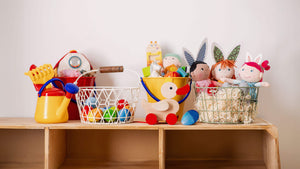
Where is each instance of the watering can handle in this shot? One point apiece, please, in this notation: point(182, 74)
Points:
point(50, 81)
point(111, 69)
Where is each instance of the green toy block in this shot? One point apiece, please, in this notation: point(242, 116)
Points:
point(146, 71)
point(183, 68)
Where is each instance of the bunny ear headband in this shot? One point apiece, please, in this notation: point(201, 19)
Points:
point(201, 54)
point(218, 55)
point(256, 62)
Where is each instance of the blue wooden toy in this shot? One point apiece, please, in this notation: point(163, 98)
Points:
point(190, 117)
point(182, 72)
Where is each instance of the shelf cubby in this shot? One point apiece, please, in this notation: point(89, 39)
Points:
point(21, 148)
point(89, 148)
point(73, 145)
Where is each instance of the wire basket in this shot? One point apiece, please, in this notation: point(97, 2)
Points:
point(107, 105)
point(226, 104)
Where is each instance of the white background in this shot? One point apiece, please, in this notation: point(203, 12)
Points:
point(117, 33)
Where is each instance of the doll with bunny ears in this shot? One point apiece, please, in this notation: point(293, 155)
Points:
point(224, 68)
point(199, 70)
point(251, 74)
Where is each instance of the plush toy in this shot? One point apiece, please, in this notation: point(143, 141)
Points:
point(199, 70)
point(155, 69)
point(170, 60)
point(251, 74)
point(224, 68)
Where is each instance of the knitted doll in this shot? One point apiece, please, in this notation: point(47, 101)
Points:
point(223, 68)
point(251, 74)
point(171, 62)
point(199, 70)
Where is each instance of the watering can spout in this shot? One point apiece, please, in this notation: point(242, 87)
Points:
point(70, 89)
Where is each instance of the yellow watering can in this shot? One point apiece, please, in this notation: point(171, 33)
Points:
point(52, 103)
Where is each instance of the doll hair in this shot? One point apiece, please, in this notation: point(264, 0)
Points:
point(264, 66)
point(194, 65)
point(219, 58)
point(224, 63)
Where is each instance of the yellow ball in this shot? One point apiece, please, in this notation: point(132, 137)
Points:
point(95, 115)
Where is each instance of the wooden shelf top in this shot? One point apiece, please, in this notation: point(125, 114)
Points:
point(29, 123)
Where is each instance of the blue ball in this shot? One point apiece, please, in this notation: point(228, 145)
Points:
point(123, 113)
point(91, 101)
point(190, 117)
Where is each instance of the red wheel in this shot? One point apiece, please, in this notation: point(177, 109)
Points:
point(171, 119)
point(151, 119)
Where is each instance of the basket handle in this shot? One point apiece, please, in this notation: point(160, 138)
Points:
point(111, 69)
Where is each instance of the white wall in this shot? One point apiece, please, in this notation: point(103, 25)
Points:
point(117, 32)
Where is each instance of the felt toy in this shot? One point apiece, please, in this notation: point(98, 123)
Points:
point(171, 59)
point(251, 74)
point(155, 69)
point(153, 52)
point(198, 68)
point(224, 68)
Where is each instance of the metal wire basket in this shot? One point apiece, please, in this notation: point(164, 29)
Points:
point(107, 105)
point(226, 104)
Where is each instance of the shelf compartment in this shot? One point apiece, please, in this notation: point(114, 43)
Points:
point(209, 148)
point(89, 148)
point(22, 148)
point(217, 164)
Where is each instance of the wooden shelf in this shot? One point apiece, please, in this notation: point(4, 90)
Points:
point(93, 164)
point(27, 144)
point(217, 164)
point(18, 165)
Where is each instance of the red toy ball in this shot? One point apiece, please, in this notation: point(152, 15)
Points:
point(122, 103)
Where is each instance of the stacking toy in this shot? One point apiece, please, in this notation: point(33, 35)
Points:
point(190, 117)
point(124, 115)
point(110, 115)
point(91, 101)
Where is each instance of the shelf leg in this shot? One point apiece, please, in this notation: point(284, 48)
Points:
point(271, 148)
point(55, 148)
point(161, 148)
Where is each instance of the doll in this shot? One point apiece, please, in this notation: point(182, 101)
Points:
point(223, 68)
point(199, 70)
point(251, 74)
point(171, 62)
